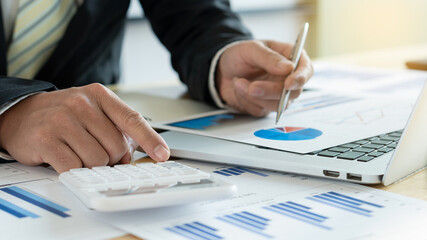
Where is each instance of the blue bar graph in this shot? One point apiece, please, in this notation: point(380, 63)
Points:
point(299, 212)
point(15, 210)
point(247, 221)
point(345, 202)
point(37, 201)
point(195, 231)
point(356, 200)
point(235, 171)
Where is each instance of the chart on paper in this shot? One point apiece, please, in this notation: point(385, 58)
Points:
point(17, 194)
point(304, 131)
point(270, 205)
point(288, 133)
point(42, 217)
point(13, 173)
point(367, 115)
point(319, 213)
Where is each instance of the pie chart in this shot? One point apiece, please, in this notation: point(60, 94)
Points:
point(288, 133)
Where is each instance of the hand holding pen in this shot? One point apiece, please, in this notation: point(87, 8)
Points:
point(251, 75)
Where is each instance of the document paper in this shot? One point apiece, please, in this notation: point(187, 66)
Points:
point(273, 205)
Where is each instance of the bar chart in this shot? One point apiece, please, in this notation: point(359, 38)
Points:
point(235, 171)
point(345, 202)
point(15, 210)
point(195, 230)
point(265, 221)
point(203, 123)
point(36, 201)
point(282, 206)
point(247, 221)
point(299, 212)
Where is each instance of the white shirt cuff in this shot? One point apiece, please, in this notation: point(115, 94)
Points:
point(4, 108)
point(211, 81)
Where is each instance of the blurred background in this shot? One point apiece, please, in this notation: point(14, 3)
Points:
point(337, 27)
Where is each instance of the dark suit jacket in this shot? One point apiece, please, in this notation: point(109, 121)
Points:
point(192, 30)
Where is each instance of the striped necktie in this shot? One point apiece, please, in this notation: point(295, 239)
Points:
point(39, 26)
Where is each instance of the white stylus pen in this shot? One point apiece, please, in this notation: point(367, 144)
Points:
point(296, 54)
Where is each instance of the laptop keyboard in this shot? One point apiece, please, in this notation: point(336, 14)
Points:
point(364, 150)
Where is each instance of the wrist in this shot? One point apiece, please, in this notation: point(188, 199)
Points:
point(2, 133)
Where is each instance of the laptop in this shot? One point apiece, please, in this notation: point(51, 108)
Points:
point(385, 158)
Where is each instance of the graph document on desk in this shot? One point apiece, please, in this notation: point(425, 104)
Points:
point(15, 173)
point(46, 210)
point(314, 122)
point(344, 104)
point(271, 205)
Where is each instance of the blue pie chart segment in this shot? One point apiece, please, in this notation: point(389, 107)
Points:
point(288, 133)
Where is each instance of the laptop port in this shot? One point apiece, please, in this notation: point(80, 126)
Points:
point(330, 173)
point(352, 176)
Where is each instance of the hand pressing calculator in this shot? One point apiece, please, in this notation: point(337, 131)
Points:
point(143, 185)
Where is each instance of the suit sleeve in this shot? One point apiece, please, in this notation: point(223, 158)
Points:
point(14, 88)
point(193, 31)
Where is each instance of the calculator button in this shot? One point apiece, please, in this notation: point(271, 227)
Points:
point(124, 176)
point(141, 176)
point(163, 174)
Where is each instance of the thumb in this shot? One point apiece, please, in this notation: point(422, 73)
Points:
point(259, 55)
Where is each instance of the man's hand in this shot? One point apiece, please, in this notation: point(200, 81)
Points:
point(85, 126)
point(252, 74)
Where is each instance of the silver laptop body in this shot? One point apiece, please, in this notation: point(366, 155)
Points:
point(409, 153)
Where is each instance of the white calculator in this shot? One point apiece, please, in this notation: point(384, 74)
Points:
point(143, 185)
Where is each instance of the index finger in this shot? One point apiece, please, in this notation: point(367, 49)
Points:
point(131, 122)
point(302, 73)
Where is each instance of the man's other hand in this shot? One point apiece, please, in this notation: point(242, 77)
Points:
point(77, 127)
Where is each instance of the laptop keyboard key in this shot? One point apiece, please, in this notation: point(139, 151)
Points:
point(349, 145)
point(374, 146)
point(361, 142)
point(385, 149)
point(393, 145)
point(381, 142)
point(363, 150)
point(375, 154)
point(350, 155)
point(328, 154)
point(389, 138)
point(339, 149)
point(365, 158)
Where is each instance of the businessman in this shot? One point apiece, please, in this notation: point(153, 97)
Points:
point(56, 56)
